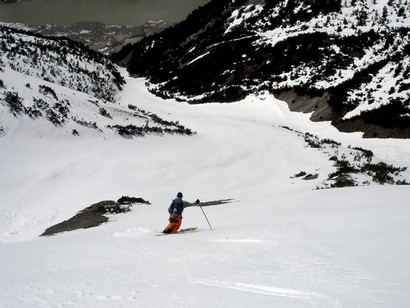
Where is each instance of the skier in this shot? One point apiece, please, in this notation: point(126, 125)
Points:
point(175, 210)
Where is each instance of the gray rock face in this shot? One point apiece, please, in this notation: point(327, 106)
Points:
point(94, 215)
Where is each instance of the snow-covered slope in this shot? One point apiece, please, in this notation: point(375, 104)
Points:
point(59, 61)
point(281, 243)
point(58, 83)
point(285, 240)
point(345, 61)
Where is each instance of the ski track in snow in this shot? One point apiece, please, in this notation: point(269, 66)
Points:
point(311, 297)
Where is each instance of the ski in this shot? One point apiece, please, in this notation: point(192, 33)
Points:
point(180, 231)
point(188, 229)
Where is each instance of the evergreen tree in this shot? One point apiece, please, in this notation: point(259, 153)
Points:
point(385, 14)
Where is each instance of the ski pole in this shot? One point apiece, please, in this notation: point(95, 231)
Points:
point(205, 216)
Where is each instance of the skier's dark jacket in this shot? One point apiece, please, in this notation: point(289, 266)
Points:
point(177, 206)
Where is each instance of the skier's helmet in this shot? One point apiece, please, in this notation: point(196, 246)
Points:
point(179, 195)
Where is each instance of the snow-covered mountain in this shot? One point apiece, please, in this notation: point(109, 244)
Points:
point(345, 61)
point(68, 85)
point(281, 242)
point(284, 240)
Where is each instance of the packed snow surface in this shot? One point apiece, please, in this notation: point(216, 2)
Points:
point(280, 243)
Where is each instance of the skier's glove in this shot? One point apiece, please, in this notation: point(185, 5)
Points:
point(197, 201)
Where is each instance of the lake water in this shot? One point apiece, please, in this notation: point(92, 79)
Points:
point(110, 12)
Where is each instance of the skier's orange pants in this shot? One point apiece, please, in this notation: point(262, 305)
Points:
point(174, 224)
